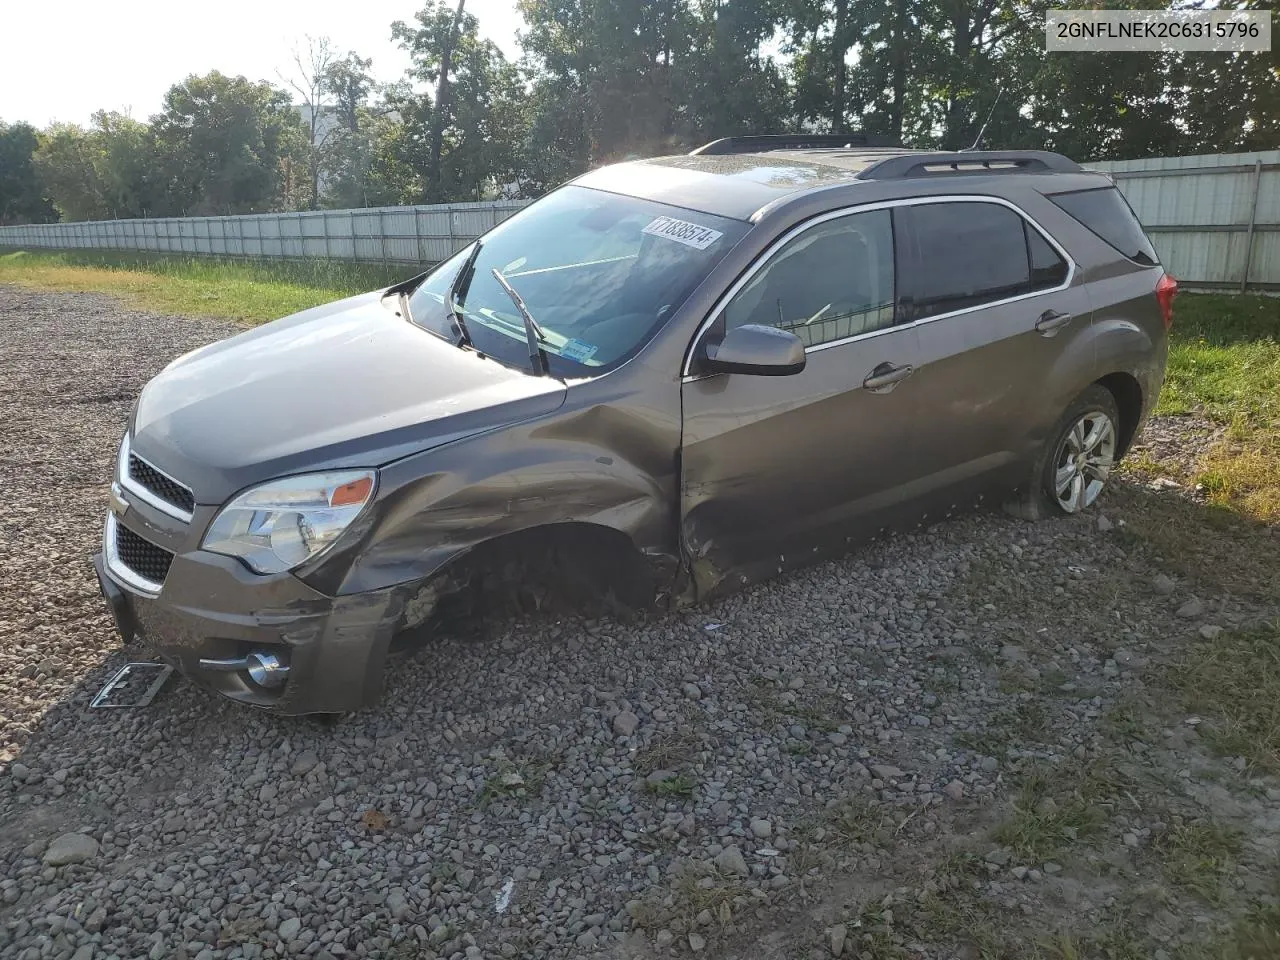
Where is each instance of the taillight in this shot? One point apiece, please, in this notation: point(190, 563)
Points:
point(1166, 290)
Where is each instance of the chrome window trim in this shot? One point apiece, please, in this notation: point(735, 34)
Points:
point(763, 260)
point(145, 495)
point(115, 567)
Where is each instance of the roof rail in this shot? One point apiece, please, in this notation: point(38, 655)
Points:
point(968, 162)
point(790, 141)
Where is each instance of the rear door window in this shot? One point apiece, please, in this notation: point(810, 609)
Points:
point(968, 254)
point(1107, 214)
point(971, 253)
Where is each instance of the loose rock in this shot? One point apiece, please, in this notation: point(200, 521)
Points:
point(71, 848)
point(1191, 609)
point(625, 723)
point(731, 861)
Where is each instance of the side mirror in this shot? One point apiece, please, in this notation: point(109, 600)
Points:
point(756, 350)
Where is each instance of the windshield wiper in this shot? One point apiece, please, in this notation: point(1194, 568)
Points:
point(458, 294)
point(533, 333)
point(404, 306)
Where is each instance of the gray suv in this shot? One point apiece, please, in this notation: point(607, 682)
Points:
point(661, 380)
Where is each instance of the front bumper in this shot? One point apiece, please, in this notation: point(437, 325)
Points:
point(211, 607)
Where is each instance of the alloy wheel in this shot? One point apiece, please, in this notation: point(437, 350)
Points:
point(1084, 461)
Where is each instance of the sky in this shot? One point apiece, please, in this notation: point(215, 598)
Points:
point(63, 59)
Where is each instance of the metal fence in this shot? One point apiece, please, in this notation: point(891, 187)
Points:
point(416, 235)
point(1214, 219)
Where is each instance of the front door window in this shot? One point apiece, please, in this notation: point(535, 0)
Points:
point(831, 282)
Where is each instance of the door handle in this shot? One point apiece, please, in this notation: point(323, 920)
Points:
point(1051, 321)
point(885, 376)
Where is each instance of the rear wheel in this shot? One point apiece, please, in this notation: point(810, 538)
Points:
point(1077, 461)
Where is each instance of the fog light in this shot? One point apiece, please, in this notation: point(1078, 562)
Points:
point(267, 670)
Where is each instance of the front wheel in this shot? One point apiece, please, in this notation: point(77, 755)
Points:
point(1077, 461)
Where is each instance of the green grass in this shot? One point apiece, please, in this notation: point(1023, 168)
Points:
point(1058, 807)
point(1256, 937)
point(1224, 357)
point(1197, 856)
point(250, 291)
point(514, 781)
point(679, 787)
point(1234, 681)
point(1224, 362)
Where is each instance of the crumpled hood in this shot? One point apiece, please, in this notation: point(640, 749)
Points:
point(347, 384)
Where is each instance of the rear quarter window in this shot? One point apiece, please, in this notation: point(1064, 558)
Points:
point(1106, 214)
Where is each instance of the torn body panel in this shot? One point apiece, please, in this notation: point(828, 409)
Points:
point(594, 465)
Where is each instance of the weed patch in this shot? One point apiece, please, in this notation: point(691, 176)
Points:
point(1057, 808)
point(1196, 856)
point(1234, 680)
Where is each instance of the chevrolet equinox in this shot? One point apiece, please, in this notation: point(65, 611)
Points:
point(686, 373)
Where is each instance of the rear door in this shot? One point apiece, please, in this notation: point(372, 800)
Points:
point(776, 468)
point(1002, 321)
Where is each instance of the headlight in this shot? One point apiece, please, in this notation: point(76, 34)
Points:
point(122, 458)
point(282, 524)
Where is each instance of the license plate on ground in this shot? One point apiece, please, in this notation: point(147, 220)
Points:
point(134, 685)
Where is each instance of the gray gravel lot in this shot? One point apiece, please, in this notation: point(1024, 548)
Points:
point(761, 777)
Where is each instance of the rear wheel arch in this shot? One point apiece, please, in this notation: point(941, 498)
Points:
point(1127, 391)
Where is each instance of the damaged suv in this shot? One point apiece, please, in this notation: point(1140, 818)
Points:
point(679, 374)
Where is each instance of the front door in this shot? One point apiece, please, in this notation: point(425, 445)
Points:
point(776, 468)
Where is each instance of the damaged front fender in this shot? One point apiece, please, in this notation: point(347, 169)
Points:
point(597, 474)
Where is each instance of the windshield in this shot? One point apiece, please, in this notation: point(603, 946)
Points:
point(600, 273)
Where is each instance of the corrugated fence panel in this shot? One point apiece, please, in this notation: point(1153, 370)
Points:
point(1188, 254)
point(410, 235)
point(1199, 211)
point(1266, 254)
point(342, 244)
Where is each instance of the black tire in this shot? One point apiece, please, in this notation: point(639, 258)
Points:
point(1041, 497)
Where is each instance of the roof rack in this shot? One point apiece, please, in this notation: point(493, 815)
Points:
point(788, 141)
point(915, 165)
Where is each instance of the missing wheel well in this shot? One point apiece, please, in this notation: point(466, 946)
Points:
point(581, 567)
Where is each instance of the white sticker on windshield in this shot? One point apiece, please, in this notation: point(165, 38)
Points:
point(579, 350)
point(682, 231)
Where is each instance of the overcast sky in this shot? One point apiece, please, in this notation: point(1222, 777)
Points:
point(64, 59)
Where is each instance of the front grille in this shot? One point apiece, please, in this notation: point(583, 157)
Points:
point(141, 556)
point(170, 491)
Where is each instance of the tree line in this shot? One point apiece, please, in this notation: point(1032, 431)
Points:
point(604, 80)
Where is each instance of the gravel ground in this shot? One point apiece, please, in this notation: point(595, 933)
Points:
point(829, 764)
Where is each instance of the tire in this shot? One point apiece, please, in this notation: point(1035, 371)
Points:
point(1076, 462)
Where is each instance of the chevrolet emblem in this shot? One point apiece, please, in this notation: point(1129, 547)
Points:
point(119, 506)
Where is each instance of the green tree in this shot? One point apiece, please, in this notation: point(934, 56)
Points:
point(231, 146)
point(128, 165)
point(346, 158)
point(729, 86)
point(478, 137)
point(68, 165)
point(350, 83)
point(22, 194)
point(608, 76)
